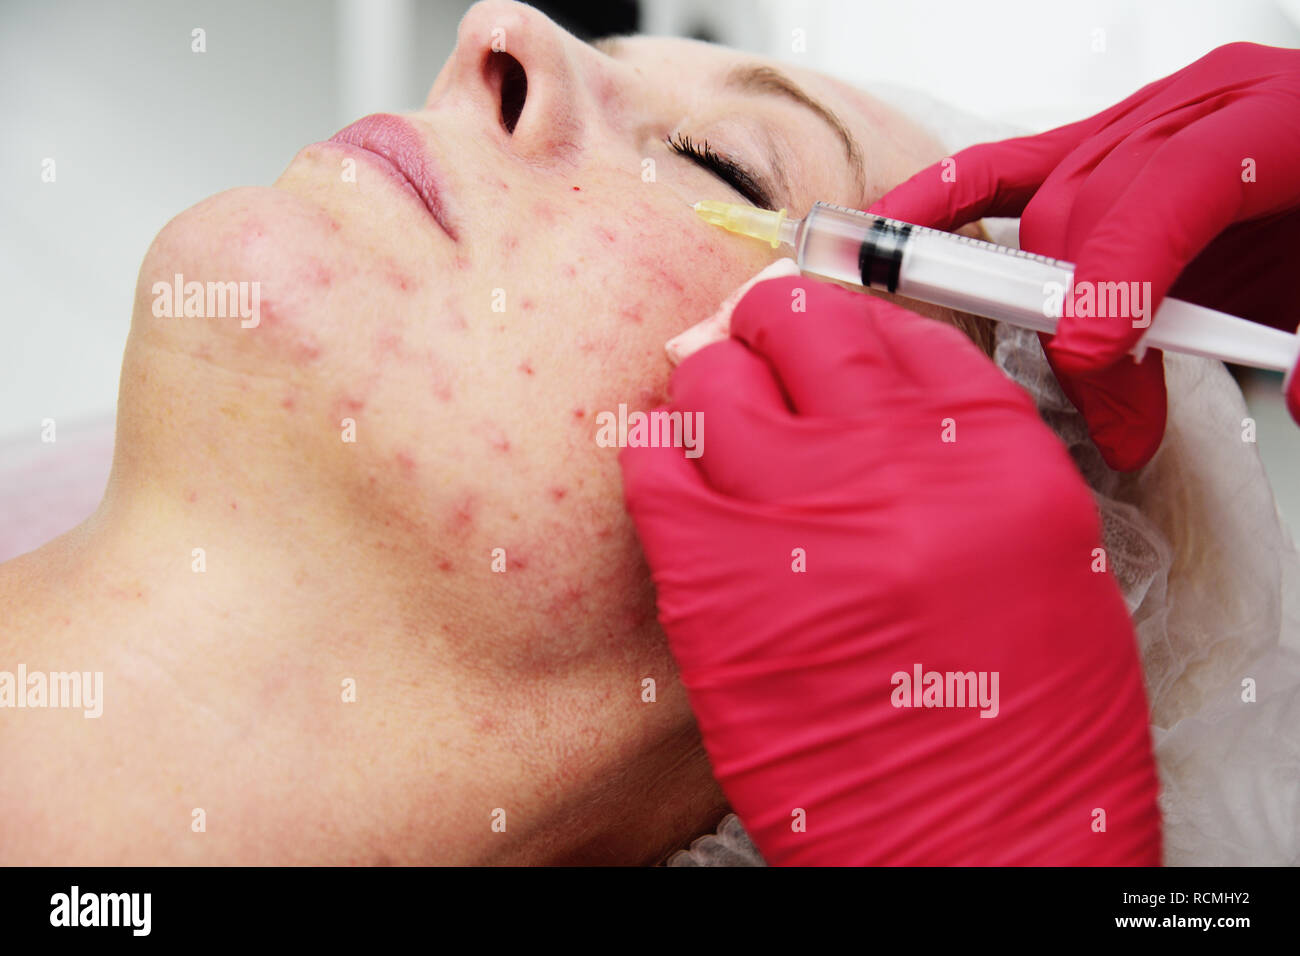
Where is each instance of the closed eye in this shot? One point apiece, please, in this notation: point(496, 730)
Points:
point(729, 171)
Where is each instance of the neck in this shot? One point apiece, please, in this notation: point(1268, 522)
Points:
point(275, 659)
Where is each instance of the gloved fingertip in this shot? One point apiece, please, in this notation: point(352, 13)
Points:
point(1077, 356)
point(1126, 446)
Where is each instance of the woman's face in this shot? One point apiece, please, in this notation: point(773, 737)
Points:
point(475, 358)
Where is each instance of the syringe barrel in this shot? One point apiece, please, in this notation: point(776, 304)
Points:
point(1009, 285)
point(937, 267)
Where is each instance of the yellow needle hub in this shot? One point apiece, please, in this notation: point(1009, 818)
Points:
point(744, 220)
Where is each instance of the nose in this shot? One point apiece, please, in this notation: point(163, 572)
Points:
point(520, 72)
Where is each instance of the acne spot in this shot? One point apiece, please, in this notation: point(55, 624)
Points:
point(251, 233)
point(401, 280)
point(406, 463)
point(557, 494)
point(351, 405)
point(511, 243)
point(526, 367)
point(462, 263)
point(577, 189)
point(630, 314)
point(498, 440)
point(320, 275)
point(288, 403)
point(579, 413)
point(234, 505)
point(607, 236)
point(192, 497)
point(444, 565)
point(439, 379)
point(388, 342)
point(461, 517)
point(545, 212)
point(667, 278)
point(528, 305)
point(299, 344)
point(570, 272)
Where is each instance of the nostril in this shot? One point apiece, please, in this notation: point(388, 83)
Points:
point(512, 83)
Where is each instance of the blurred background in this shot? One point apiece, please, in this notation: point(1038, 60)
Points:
point(141, 127)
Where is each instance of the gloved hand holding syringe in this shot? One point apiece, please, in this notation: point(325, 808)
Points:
point(997, 282)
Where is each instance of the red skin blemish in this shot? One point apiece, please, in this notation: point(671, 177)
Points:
point(630, 314)
point(234, 506)
point(545, 212)
point(388, 342)
point(579, 413)
point(462, 263)
point(251, 233)
point(526, 368)
point(462, 515)
point(606, 235)
point(320, 275)
point(401, 280)
point(577, 189)
point(439, 378)
point(570, 272)
point(302, 345)
point(559, 493)
point(511, 243)
point(499, 441)
point(288, 403)
point(350, 405)
point(406, 463)
point(444, 565)
point(670, 280)
point(456, 320)
point(192, 497)
point(517, 563)
point(528, 305)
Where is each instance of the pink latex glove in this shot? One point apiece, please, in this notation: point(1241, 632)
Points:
point(1140, 193)
point(824, 438)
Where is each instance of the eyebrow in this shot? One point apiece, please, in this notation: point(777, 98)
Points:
point(764, 79)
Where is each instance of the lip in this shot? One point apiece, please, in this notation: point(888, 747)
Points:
point(400, 147)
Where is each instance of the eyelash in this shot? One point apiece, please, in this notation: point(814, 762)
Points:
point(729, 171)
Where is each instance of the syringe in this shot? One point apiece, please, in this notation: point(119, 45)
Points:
point(997, 282)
